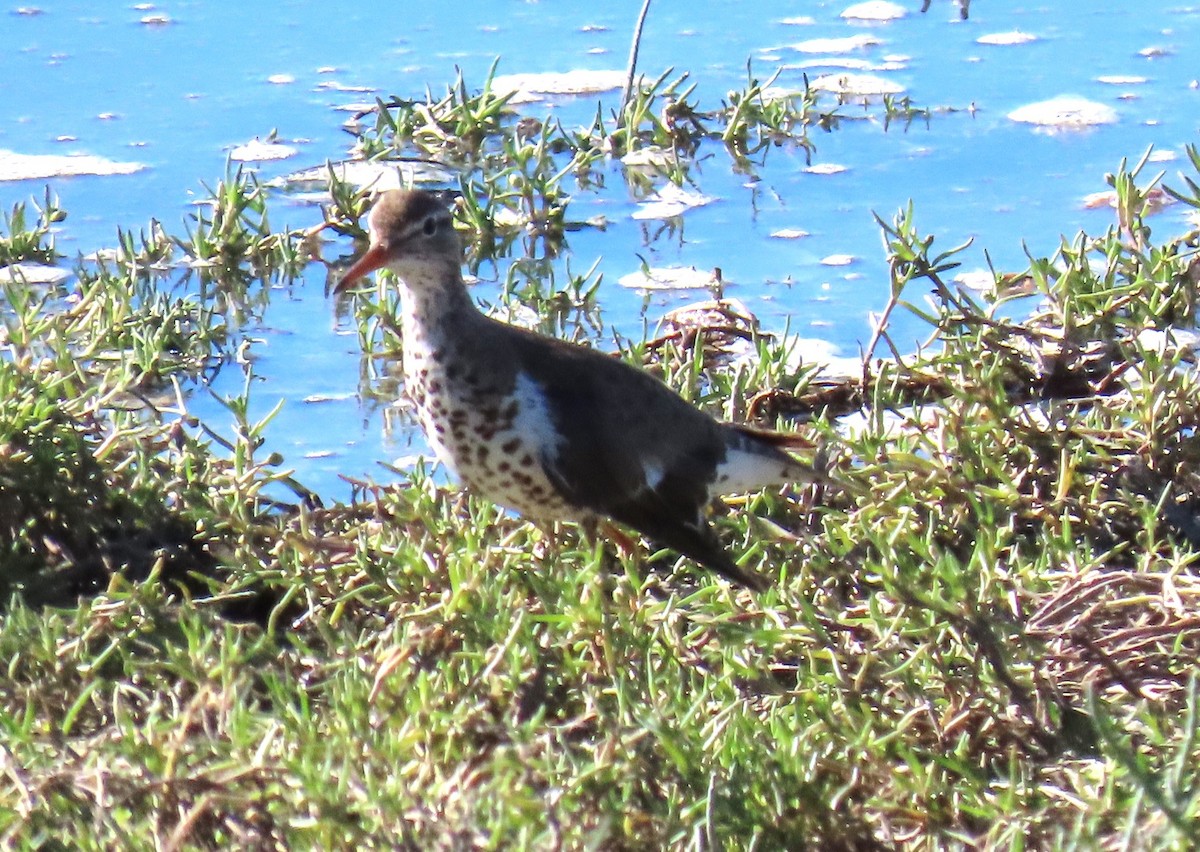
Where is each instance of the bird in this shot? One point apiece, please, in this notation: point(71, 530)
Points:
point(555, 430)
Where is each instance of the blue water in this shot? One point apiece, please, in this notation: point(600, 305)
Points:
point(179, 96)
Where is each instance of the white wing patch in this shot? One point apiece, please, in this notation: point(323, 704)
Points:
point(533, 421)
point(653, 472)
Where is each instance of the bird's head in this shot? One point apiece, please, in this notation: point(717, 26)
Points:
point(410, 231)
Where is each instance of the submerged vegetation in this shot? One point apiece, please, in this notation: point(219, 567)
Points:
point(992, 643)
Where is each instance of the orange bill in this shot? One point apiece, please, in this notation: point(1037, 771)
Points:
point(375, 258)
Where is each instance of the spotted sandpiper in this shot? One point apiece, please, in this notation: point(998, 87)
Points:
point(551, 429)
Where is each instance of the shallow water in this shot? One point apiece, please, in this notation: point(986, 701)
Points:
point(177, 96)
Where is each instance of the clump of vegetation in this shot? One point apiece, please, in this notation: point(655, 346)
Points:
point(514, 167)
point(23, 242)
point(990, 641)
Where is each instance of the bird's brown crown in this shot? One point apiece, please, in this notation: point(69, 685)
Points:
point(402, 215)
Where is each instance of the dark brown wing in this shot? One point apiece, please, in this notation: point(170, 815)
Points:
point(634, 451)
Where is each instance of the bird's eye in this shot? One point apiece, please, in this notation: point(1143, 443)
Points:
point(430, 227)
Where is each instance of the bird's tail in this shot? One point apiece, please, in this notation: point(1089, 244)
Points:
point(772, 437)
point(754, 459)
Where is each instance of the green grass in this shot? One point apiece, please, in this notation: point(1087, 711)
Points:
point(989, 640)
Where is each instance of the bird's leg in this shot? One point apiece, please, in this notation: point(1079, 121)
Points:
point(540, 545)
point(625, 543)
point(543, 546)
point(604, 531)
